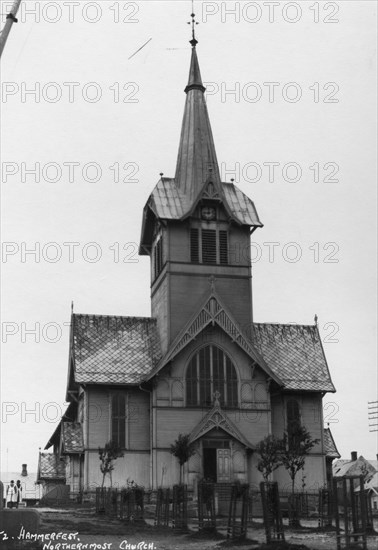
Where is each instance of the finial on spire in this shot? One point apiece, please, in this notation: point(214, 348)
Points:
point(193, 22)
point(72, 306)
point(316, 319)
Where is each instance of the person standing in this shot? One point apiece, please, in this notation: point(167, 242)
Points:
point(11, 495)
point(19, 493)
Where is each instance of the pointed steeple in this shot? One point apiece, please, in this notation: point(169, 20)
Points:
point(195, 79)
point(197, 159)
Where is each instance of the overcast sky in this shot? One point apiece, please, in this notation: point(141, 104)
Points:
point(291, 98)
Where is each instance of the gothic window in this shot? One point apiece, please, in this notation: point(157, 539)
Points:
point(118, 405)
point(293, 419)
point(158, 257)
point(208, 246)
point(211, 370)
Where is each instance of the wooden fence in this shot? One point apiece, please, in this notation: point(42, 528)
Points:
point(126, 504)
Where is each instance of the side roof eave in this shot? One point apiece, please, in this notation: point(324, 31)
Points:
point(56, 436)
point(211, 312)
point(337, 454)
point(325, 361)
point(71, 362)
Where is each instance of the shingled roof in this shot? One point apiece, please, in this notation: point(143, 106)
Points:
point(330, 448)
point(295, 354)
point(72, 438)
point(169, 203)
point(50, 468)
point(125, 350)
point(197, 165)
point(361, 466)
point(113, 350)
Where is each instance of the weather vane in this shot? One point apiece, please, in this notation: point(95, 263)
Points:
point(193, 22)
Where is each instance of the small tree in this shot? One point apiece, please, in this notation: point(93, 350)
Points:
point(182, 450)
point(295, 449)
point(107, 456)
point(269, 450)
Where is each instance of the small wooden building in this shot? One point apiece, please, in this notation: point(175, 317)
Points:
point(200, 365)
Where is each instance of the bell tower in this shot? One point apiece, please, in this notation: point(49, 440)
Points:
point(196, 228)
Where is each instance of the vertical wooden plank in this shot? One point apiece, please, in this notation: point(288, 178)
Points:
point(346, 524)
point(337, 519)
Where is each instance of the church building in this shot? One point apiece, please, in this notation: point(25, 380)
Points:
point(200, 365)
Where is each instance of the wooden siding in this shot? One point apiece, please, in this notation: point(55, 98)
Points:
point(159, 310)
point(239, 246)
point(98, 420)
point(179, 242)
point(139, 420)
point(310, 412)
point(171, 422)
point(133, 466)
point(235, 293)
point(137, 417)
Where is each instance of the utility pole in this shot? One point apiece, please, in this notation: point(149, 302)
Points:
point(10, 19)
point(373, 415)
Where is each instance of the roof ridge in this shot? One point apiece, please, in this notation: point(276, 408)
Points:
point(115, 316)
point(283, 324)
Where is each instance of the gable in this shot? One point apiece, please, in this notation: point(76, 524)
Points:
point(217, 419)
point(213, 312)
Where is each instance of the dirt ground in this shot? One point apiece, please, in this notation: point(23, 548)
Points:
point(110, 534)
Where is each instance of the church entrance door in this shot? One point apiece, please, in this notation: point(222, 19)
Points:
point(223, 465)
point(217, 461)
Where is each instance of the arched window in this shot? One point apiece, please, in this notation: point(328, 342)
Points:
point(211, 370)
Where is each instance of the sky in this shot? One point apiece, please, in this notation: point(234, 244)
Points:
point(92, 104)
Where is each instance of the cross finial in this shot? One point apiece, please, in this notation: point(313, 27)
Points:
point(216, 396)
point(193, 22)
point(212, 280)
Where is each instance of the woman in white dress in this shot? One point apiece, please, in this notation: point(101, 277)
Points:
point(11, 495)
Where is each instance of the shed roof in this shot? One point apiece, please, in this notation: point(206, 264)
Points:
point(295, 354)
point(50, 467)
point(113, 350)
point(72, 438)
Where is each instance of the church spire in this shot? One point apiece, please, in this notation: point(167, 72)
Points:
point(197, 159)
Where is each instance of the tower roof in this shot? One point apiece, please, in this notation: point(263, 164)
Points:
point(196, 169)
point(197, 159)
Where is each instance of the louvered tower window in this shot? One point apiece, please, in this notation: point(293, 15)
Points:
point(208, 246)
